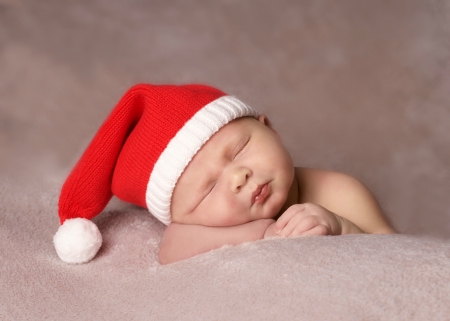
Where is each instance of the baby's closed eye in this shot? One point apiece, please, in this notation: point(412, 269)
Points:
point(241, 146)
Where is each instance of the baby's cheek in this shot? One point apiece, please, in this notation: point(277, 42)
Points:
point(273, 206)
point(234, 213)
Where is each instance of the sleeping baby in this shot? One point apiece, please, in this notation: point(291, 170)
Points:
point(212, 169)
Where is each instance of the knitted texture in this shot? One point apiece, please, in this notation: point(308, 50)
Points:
point(143, 147)
point(122, 154)
point(180, 150)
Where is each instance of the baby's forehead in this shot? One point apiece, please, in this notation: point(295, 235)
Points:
point(234, 127)
point(237, 125)
point(225, 137)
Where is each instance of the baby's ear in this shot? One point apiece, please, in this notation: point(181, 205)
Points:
point(263, 119)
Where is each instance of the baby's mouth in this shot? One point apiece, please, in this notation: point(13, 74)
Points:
point(260, 194)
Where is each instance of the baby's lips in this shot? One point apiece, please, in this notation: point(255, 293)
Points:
point(260, 193)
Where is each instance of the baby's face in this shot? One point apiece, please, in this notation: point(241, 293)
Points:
point(243, 173)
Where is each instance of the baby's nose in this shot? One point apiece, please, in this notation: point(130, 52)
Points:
point(239, 177)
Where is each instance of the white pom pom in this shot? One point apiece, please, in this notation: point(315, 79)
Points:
point(77, 240)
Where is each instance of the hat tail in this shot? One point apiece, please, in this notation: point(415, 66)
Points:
point(87, 190)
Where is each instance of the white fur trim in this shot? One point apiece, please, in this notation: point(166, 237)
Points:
point(182, 148)
point(77, 240)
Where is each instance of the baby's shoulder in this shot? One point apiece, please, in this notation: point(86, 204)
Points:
point(329, 188)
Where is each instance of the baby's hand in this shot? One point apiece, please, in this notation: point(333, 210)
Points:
point(308, 219)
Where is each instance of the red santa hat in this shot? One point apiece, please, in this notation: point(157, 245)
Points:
point(138, 154)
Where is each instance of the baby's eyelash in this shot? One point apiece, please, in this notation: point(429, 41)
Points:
point(242, 148)
point(212, 187)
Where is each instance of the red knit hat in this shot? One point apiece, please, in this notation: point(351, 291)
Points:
point(138, 154)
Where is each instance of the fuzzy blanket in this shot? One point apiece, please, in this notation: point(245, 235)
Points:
point(360, 87)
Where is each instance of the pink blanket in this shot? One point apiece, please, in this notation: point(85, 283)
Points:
point(355, 277)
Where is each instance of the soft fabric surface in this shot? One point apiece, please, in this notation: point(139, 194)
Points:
point(360, 87)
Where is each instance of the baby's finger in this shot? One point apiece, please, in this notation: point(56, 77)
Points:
point(304, 225)
point(287, 216)
point(317, 230)
point(290, 226)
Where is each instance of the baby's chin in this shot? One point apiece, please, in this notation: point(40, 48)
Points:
point(280, 204)
point(272, 207)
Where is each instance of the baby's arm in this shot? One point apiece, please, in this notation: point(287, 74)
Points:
point(346, 197)
point(181, 241)
point(310, 219)
point(354, 202)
